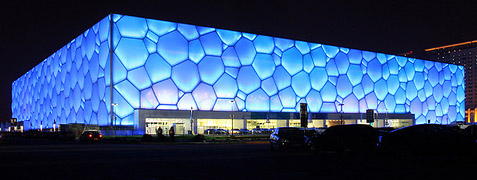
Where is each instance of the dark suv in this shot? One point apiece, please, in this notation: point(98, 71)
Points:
point(353, 138)
point(287, 137)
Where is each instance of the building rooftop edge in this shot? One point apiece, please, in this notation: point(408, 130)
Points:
point(451, 45)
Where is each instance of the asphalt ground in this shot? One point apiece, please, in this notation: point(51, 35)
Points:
point(250, 160)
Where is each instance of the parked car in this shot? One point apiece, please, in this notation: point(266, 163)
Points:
point(425, 139)
point(353, 138)
point(235, 131)
point(91, 136)
point(287, 137)
point(245, 131)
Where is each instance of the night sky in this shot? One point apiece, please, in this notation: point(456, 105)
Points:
point(30, 31)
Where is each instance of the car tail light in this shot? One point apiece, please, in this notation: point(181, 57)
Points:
point(90, 135)
point(100, 135)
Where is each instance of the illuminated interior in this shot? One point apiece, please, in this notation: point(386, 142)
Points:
point(165, 65)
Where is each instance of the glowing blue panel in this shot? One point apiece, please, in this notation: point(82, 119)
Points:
point(204, 97)
point(157, 68)
point(103, 54)
point(230, 57)
point(104, 26)
point(139, 78)
point(410, 71)
point(314, 101)
point(308, 63)
point(419, 65)
point(283, 44)
point(401, 61)
point(131, 52)
point(151, 36)
point(264, 44)
point(129, 92)
point(433, 77)
point(460, 76)
point(247, 79)
point(150, 45)
point(132, 27)
point(355, 56)
point(411, 91)
point(419, 80)
point(275, 104)
point(342, 62)
point(330, 51)
point(210, 69)
point(166, 92)
point(196, 53)
point(302, 47)
point(358, 91)
point(173, 47)
point(328, 92)
point(380, 89)
point(328, 107)
point(148, 99)
point(204, 30)
point(123, 108)
point(225, 105)
point(288, 98)
point(212, 44)
point(372, 101)
point(319, 57)
point(460, 94)
point(351, 104)
point(393, 84)
point(318, 78)
point(226, 87)
point(268, 85)
point(186, 76)
point(282, 78)
point(301, 84)
point(160, 27)
point(187, 102)
point(87, 89)
point(89, 44)
point(188, 31)
point(368, 85)
point(257, 101)
point(446, 88)
point(292, 61)
point(374, 70)
point(343, 86)
point(232, 71)
point(368, 56)
point(355, 74)
point(245, 51)
point(264, 65)
point(229, 37)
point(331, 68)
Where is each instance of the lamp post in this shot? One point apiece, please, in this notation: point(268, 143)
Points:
point(341, 113)
point(386, 119)
point(191, 122)
point(115, 117)
point(232, 116)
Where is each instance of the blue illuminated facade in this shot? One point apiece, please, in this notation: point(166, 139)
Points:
point(164, 65)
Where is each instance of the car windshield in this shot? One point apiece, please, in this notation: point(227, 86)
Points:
point(290, 132)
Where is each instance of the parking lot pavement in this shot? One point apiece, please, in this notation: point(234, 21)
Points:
point(215, 161)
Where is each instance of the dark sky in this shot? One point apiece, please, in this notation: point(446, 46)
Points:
point(30, 31)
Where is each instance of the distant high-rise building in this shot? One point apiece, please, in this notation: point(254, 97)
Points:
point(464, 54)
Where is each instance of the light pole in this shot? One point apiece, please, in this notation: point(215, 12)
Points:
point(191, 122)
point(386, 119)
point(232, 116)
point(115, 117)
point(341, 114)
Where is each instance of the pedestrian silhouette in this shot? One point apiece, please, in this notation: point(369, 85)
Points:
point(171, 134)
point(160, 137)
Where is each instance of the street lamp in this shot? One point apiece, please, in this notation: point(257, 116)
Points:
point(341, 113)
point(386, 119)
point(232, 116)
point(115, 117)
point(191, 122)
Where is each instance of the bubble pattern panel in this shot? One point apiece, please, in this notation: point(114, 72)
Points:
point(165, 65)
point(70, 86)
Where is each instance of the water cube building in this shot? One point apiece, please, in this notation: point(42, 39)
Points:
point(137, 74)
